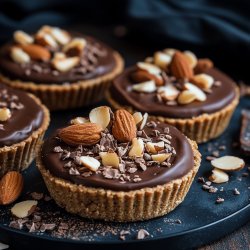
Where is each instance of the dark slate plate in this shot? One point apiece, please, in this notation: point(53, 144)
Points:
point(202, 220)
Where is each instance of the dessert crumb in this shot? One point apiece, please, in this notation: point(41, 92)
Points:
point(142, 233)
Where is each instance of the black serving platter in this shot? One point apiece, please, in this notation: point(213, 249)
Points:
point(197, 221)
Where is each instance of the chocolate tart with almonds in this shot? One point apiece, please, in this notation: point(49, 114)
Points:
point(65, 70)
point(118, 167)
point(179, 89)
point(23, 122)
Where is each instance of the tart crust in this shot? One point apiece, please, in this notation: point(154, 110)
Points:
point(109, 205)
point(19, 156)
point(201, 128)
point(79, 94)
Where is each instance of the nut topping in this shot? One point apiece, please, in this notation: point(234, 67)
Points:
point(137, 148)
point(146, 87)
point(138, 117)
point(65, 64)
point(101, 116)
point(140, 76)
point(5, 114)
point(191, 57)
point(162, 60)
point(168, 92)
point(161, 157)
point(110, 159)
point(22, 37)
point(153, 148)
point(152, 69)
point(75, 47)
point(90, 162)
point(19, 56)
point(203, 81)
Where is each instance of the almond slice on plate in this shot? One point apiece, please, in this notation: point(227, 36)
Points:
point(100, 115)
point(168, 92)
point(66, 64)
point(218, 176)
point(90, 162)
point(145, 87)
point(186, 97)
point(144, 121)
point(228, 163)
point(162, 60)
point(151, 68)
point(22, 37)
point(110, 159)
point(24, 209)
point(137, 148)
point(203, 81)
point(5, 114)
point(11, 186)
point(79, 120)
point(154, 147)
point(191, 57)
point(19, 56)
point(161, 157)
point(200, 95)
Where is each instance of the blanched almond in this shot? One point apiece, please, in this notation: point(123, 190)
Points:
point(145, 87)
point(228, 163)
point(191, 57)
point(186, 97)
point(152, 69)
point(79, 120)
point(66, 64)
point(162, 60)
point(24, 209)
point(203, 81)
point(170, 51)
point(154, 147)
point(199, 94)
point(161, 157)
point(61, 36)
point(168, 92)
point(5, 114)
point(138, 117)
point(101, 116)
point(110, 159)
point(143, 76)
point(218, 176)
point(75, 47)
point(45, 39)
point(19, 56)
point(22, 37)
point(137, 148)
point(144, 121)
point(90, 163)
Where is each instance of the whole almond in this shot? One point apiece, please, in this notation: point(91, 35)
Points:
point(124, 127)
point(36, 52)
point(143, 76)
point(11, 186)
point(203, 65)
point(180, 67)
point(81, 134)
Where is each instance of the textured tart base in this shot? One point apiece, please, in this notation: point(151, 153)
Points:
point(82, 93)
point(135, 205)
point(18, 157)
point(201, 128)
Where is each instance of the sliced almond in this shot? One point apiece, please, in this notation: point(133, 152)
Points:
point(22, 37)
point(79, 120)
point(90, 162)
point(24, 209)
point(61, 36)
point(199, 94)
point(144, 121)
point(191, 57)
point(186, 97)
point(143, 76)
point(5, 114)
point(45, 39)
point(149, 59)
point(59, 56)
point(154, 147)
point(203, 81)
point(137, 117)
point(170, 51)
point(137, 148)
point(218, 176)
point(228, 163)
point(151, 68)
point(66, 64)
point(19, 56)
point(75, 47)
point(168, 92)
point(101, 116)
point(110, 159)
point(145, 87)
point(161, 157)
point(162, 60)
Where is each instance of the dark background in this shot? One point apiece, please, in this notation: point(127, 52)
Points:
point(219, 29)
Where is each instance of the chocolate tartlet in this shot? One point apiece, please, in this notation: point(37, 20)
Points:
point(177, 88)
point(65, 70)
point(23, 122)
point(118, 167)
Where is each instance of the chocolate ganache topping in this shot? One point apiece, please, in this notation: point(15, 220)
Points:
point(53, 55)
point(174, 88)
point(158, 154)
point(20, 115)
